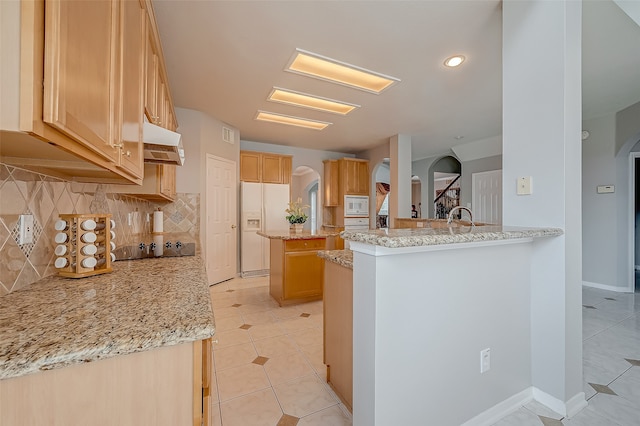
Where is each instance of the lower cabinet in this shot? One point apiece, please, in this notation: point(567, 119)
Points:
point(338, 330)
point(163, 386)
point(296, 271)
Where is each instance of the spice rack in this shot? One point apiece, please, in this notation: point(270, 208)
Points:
point(84, 244)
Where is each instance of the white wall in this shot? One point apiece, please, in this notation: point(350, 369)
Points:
point(599, 218)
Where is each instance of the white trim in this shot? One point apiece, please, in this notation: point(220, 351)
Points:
point(632, 223)
point(576, 404)
point(501, 409)
point(637, 268)
point(606, 287)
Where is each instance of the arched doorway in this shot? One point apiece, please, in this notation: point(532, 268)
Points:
point(382, 179)
point(445, 189)
point(305, 182)
point(416, 197)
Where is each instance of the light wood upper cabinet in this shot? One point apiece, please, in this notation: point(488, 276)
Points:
point(80, 73)
point(167, 181)
point(265, 167)
point(354, 176)
point(331, 183)
point(133, 29)
point(346, 176)
point(250, 166)
point(152, 76)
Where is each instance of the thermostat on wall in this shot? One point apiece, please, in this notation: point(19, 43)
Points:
point(606, 189)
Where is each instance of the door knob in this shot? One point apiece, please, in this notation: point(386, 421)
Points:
point(233, 227)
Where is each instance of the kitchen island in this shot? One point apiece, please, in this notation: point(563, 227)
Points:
point(426, 303)
point(295, 270)
point(119, 348)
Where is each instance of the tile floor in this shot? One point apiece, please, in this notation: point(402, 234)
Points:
point(611, 365)
point(268, 362)
point(268, 366)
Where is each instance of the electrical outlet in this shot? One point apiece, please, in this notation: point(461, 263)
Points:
point(25, 226)
point(485, 360)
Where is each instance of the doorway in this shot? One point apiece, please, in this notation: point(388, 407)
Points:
point(446, 174)
point(305, 182)
point(416, 197)
point(221, 230)
point(486, 196)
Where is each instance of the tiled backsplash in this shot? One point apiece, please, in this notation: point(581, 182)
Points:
point(46, 197)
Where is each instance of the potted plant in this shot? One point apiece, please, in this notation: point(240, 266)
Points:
point(297, 216)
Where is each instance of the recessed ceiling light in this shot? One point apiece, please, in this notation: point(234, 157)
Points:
point(454, 61)
point(272, 117)
point(304, 100)
point(458, 137)
point(323, 68)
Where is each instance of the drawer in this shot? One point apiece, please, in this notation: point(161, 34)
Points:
point(298, 245)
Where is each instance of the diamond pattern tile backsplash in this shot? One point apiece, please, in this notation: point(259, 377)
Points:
point(45, 197)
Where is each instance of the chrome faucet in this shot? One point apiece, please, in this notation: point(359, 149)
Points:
point(450, 219)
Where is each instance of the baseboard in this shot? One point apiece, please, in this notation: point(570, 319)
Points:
point(576, 404)
point(256, 273)
point(502, 409)
point(606, 287)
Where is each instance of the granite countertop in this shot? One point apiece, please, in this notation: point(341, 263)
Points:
point(393, 238)
point(141, 305)
point(286, 234)
point(341, 257)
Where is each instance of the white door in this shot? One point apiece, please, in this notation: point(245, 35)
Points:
point(221, 227)
point(486, 196)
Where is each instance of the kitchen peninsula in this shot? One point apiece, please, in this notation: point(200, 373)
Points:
point(295, 270)
point(426, 303)
point(128, 347)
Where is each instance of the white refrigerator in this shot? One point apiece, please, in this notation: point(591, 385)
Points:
point(263, 208)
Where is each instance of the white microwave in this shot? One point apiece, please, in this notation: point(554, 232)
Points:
point(356, 206)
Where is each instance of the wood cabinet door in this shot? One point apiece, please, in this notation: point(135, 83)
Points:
point(331, 183)
point(271, 168)
point(80, 78)
point(363, 178)
point(132, 42)
point(152, 73)
point(286, 169)
point(168, 181)
point(303, 274)
point(250, 166)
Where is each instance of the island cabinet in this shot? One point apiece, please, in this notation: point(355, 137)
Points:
point(338, 330)
point(296, 271)
point(265, 167)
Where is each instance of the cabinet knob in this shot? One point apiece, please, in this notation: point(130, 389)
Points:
point(233, 227)
point(128, 154)
point(118, 145)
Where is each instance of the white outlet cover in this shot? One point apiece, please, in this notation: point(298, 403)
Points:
point(524, 186)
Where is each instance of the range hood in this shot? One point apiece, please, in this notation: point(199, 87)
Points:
point(161, 146)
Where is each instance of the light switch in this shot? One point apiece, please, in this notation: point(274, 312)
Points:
point(524, 186)
point(606, 189)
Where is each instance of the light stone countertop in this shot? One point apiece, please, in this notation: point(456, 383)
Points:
point(394, 238)
point(286, 234)
point(141, 305)
point(341, 257)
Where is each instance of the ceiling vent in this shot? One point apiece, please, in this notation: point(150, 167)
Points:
point(227, 135)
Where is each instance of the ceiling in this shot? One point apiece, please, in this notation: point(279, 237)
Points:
point(224, 57)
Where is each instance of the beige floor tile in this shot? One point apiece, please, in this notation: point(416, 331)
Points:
point(307, 337)
point(311, 307)
point(230, 338)
point(258, 318)
point(243, 380)
point(333, 416)
point(250, 308)
point(286, 312)
point(229, 322)
point(275, 346)
point(265, 330)
point(296, 324)
point(258, 408)
point(287, 367)
point(314, 354)
point(304, 396)
point(222, 300)
point(233, 356)
point(227, 312)
point(317, 320)
point(218, 288)
point(215, 398)
point(216, 418)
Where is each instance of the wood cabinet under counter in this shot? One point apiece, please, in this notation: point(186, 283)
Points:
point(122, 348)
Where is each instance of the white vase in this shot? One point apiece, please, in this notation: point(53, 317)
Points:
point(297, 227)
